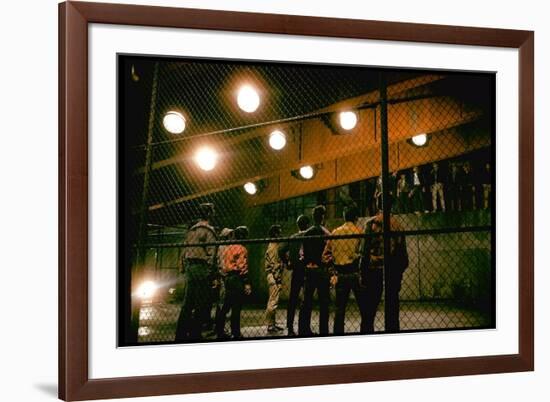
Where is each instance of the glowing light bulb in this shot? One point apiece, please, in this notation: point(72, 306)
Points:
point(251, 188)
point(277, 140)
point(306, 172)
point(206, 158)
point(174, 122)
point(420, 140)
point(348, 120)
point(248, 99)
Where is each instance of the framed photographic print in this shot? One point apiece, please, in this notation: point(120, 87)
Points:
point(258, 201)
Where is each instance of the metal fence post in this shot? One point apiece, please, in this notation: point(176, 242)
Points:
point(142, 223)
point(386, 205)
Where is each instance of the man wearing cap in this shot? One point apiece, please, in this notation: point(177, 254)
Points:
point(235, 267)
point(274, 274)
point(199, 266)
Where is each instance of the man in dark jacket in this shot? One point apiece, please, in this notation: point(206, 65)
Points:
point(418, 189)
point(292, 253)
point(373, 271)
point(316, 275)
point(199, 266)
point(437, 184)
point(454, 185)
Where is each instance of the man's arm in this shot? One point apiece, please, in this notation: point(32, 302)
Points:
point(211, 251)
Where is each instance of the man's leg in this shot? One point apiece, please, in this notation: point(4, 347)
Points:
point(323, 293)
point(434, 197)
point(394, 287)
point(236, 307)
point(296, 284)
point(224, 309)
point(272, 302)
point(304, 320)
point(342, 296)
point(441, 196)
point(201, 302)
point(185, 329)
point(373, 294)
point(183, 326)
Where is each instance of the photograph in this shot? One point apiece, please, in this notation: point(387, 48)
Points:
point(263, 200)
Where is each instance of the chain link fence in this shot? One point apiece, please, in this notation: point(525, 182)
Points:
point(274, 200)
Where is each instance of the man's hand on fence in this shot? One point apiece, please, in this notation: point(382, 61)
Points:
point(247, 289)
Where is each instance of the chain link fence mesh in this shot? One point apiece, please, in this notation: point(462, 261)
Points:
point(400, 160)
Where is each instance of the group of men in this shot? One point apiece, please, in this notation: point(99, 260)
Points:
point(318, 260)
point(434, 189)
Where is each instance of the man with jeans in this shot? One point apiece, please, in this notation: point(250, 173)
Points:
point(236, 285)
point(343, 255)
point(373, 269)
point(199, 267)
point(437, 187)
point(316, 275)
point(274, 275)
point(292, 253)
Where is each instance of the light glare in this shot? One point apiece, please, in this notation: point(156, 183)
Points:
point(420, 140)
point(206, 158)
point(306, 172)
point(147, 290)
point(174, 122)
point(248, 99)
point(251, 188)
point(348, 120)
point(277, 140)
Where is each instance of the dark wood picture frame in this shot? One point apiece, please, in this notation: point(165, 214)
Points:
point(74, 382)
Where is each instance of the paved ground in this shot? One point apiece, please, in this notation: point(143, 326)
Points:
point(158, 320)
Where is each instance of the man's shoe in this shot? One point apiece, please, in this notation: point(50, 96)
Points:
point(273, 329)
point(224, 336)
point(291, 332)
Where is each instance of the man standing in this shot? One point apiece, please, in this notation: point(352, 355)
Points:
point(316, 275)
point(402, 194)
point(468, 188)
point(436, 187)
point(453, 187)
point(198, 263)
point(274, 274)
point(344, 255)
point(293, 254)
point(236, 285)
point(373, 269)
point(417, 192)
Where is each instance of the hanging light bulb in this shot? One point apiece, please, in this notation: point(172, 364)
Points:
point(420, 140)
point(251, 188)
point(306, 172)
point(174, 122)
point(277, 140)
point(206, 158)
point(248, 99)
point(348, 120)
